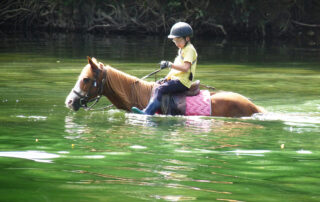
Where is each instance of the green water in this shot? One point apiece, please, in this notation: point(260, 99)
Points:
point(48, 153)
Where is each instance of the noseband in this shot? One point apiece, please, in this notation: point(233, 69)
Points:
point(85, 99)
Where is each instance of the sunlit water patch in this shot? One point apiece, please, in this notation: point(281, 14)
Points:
point(249, 152)
point(33, 118)
point(38, 156)
point(294, 121)
point(137, 147)
point(298, 118)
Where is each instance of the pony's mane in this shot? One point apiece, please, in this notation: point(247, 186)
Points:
point(126, 91)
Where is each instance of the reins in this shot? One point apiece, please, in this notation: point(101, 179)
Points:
point(84, 100)
point(152, 73)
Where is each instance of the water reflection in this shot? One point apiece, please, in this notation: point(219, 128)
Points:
point(167, 153)
point(119, 48)
point(192, 124)
point(74, 129)
point(180, 134)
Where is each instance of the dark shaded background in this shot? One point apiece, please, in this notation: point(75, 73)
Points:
point(254, 19)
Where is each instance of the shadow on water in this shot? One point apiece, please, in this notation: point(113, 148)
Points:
point(123, 48)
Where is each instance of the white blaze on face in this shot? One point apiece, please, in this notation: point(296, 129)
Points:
point(72, 96)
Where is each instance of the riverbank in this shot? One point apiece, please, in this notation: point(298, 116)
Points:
point(284, 19)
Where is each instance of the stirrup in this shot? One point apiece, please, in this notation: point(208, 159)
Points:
point(137, 111)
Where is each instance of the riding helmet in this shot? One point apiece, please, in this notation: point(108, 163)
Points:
point(180, 29)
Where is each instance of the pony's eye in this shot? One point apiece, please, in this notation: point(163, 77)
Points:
point(86, 80)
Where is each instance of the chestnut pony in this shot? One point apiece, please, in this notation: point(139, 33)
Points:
point(126, 91)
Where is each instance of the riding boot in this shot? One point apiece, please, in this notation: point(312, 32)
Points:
point(151, 109)
point(137, 110)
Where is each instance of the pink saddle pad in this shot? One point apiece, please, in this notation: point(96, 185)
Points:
point(199, 105)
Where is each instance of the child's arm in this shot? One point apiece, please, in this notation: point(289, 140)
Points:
point(184, 68)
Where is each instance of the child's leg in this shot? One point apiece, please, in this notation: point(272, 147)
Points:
point(170, 87)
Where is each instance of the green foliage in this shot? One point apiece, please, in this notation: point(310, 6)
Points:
point(173, 4)
point(220, 17)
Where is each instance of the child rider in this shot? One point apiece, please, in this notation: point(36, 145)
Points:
point(180, 78)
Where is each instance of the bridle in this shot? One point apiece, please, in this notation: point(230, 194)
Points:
point(85, 99)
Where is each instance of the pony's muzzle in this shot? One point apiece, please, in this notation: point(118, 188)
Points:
point(73, 102)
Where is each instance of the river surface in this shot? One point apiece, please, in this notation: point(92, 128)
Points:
point(49, 153)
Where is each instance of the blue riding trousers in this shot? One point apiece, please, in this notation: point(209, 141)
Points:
point(169, 87)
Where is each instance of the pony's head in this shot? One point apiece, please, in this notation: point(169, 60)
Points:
point(89, 86)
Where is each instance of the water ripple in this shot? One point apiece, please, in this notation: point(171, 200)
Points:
point(295, 122)
point(249, 152)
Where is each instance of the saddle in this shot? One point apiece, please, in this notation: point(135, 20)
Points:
point(176, 104)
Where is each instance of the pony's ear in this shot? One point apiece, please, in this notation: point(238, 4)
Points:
point(92, 64)
point(101, 65)
point(94, 60)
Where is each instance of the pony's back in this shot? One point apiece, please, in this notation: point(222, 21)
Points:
point(229, 104)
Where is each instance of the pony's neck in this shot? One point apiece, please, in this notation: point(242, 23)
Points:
point(126, 91)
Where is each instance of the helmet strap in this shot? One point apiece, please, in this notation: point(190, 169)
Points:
point(187, 42)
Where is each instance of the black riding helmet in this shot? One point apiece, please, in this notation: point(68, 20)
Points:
point(180, 29)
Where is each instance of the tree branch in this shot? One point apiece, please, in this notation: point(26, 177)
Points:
point(304, 24)
point(98, 26)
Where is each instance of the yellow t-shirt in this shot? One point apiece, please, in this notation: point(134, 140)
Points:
point(186, 54)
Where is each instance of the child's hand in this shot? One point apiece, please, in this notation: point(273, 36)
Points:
point(165, 64)
point(161, 81)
